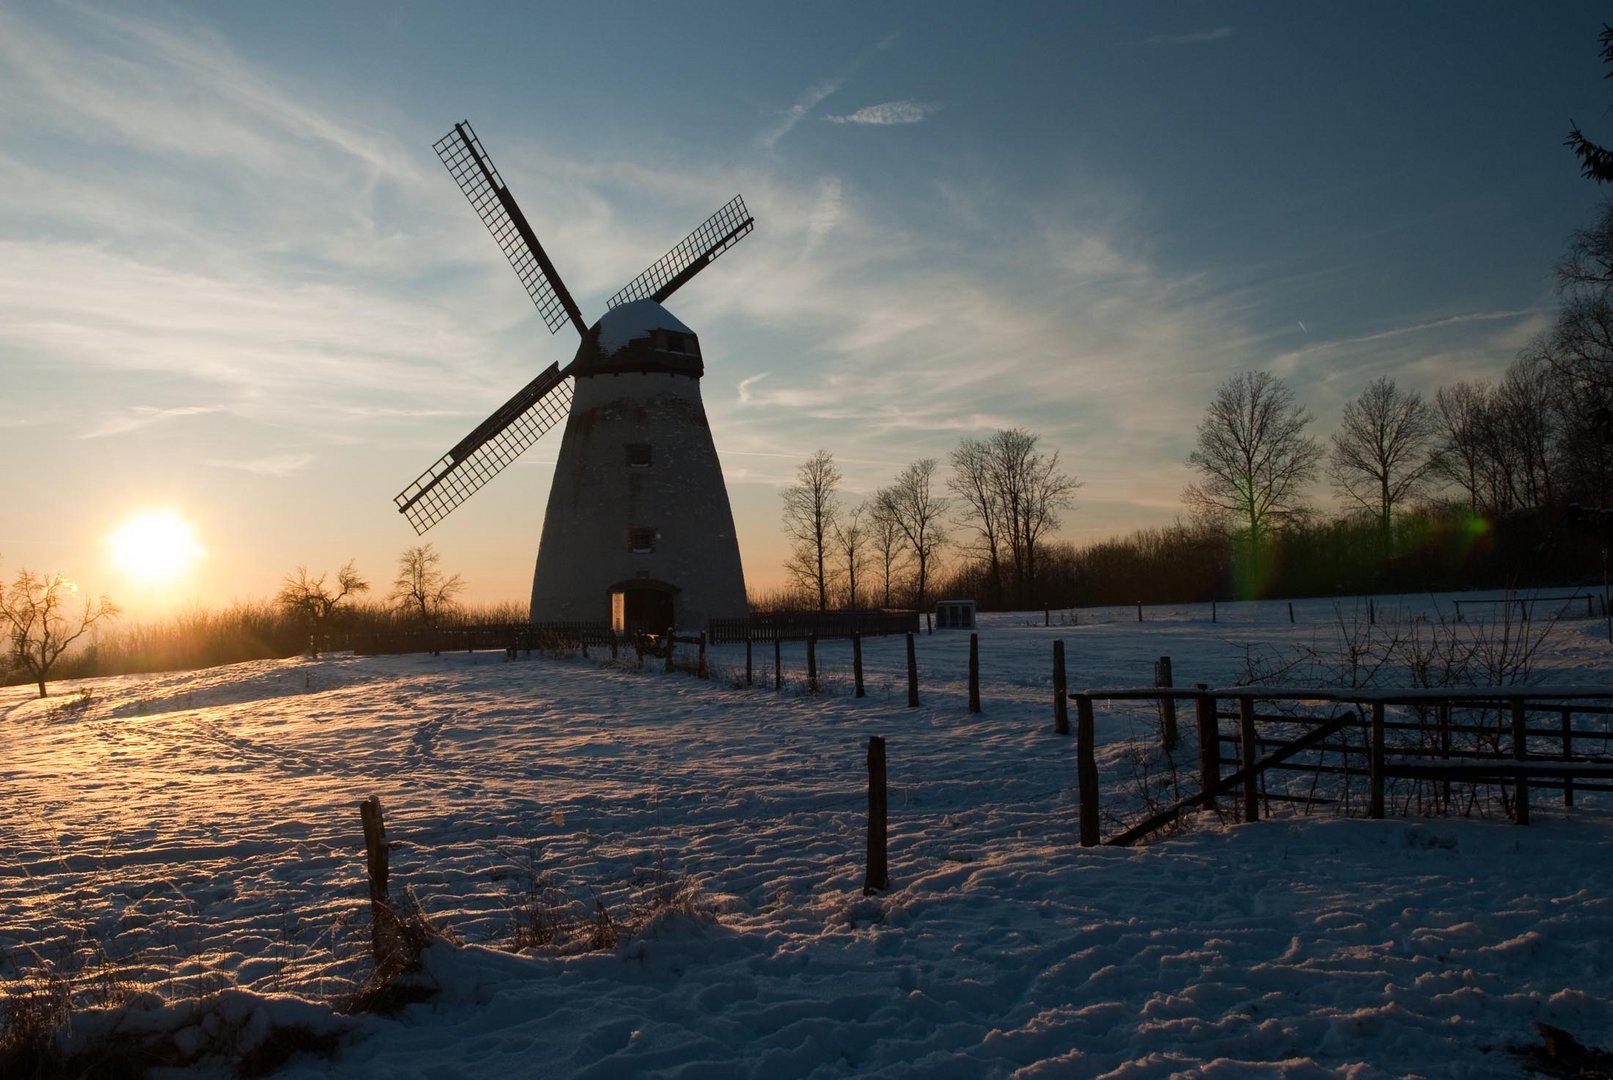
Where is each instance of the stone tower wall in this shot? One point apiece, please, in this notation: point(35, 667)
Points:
point(597, 496)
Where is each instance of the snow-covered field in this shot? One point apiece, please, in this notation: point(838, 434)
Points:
point(204, 829)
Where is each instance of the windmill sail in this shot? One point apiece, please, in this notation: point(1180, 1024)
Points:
point(473, 171)
point(692, 254)
point(482, 454)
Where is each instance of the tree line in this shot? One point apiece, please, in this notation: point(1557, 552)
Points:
point(1491, 483)
point(52, 632)
point(1001, 500)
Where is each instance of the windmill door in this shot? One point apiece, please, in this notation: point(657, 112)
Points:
point(649, 610)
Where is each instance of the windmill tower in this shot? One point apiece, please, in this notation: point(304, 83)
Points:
point(638, 528)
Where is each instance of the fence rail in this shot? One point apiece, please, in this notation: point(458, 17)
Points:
point(1526, 604)
point(507, 636)
point(800, 625)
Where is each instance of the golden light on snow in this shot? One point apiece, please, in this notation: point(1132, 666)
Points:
point(155, 547)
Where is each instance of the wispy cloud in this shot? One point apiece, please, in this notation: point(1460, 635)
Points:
point(1195, 37)
point(809, 100)
point(142, 416)
point(1393, 340)
point(889, 112)
point(825, 215)
point(276, 465)
point(816, 94)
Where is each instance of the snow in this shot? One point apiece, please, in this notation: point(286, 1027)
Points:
point(637, 319)
point(205, 827)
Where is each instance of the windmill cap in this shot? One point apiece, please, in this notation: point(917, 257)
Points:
point(641, 336)
point(622, 325)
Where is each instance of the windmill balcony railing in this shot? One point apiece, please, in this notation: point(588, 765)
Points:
point(1368, 752)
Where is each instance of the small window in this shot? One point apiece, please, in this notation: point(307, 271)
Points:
point(638, 455)
point(640, 540)
point(675, 343)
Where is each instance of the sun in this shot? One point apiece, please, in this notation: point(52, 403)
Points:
point(155, 547)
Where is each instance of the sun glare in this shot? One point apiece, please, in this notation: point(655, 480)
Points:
point(155, 547)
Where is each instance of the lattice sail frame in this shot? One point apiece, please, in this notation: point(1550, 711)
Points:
point(483, 454)
point(543, 402)
point(689, 256)
point(477, 177)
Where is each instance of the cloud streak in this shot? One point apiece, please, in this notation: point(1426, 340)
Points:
point(1196, 37)
point(813, 96)
point(888, 113)
point(272, 465)
point(142, 416)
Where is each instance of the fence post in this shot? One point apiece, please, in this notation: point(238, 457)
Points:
point(705, 672)
point(1167, 705)
point(878, 874)
point(1212, 609)
point(912, 675)
point(1372, 612)
point(1375, 763)
point(671, 647)
point(1086, 770)
point(1290, 611)
point(1568, 754)
point(1445, 751)
point(778, 664)
point(1520, 751)
point(974, 673)
point(378, 853)
point(1247, 754)
point(748, 667)
point(1061, 697)
point(1209, 744)
point(857, 662)
point(812, 663)
point(1139, 611)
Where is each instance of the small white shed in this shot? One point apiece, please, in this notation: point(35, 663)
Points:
point(954, 614)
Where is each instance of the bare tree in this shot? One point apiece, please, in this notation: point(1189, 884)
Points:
point(919, 513)
point(1253, 455)
point(973, 481)
point(39, 624)
point(316, 602)
point(1461, 417)
point(421, 589)
point(1012, 495)
point(810, 513)
point(885, 541)
point(1034, 491)
point(1380, 455)
point(851, 545)
point(1529, 426)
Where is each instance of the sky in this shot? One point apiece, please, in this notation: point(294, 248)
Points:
point(237, 285)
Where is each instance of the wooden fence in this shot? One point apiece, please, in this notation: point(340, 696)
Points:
point(1429, 751)
point(1526, 605)
point(522, 637)
point(800, 625)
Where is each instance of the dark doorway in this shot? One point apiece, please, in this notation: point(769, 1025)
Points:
point(649, 610)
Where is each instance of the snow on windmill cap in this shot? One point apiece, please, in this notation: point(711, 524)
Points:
point(630, 322)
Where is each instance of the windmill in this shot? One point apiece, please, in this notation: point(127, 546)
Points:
point(638, 527)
